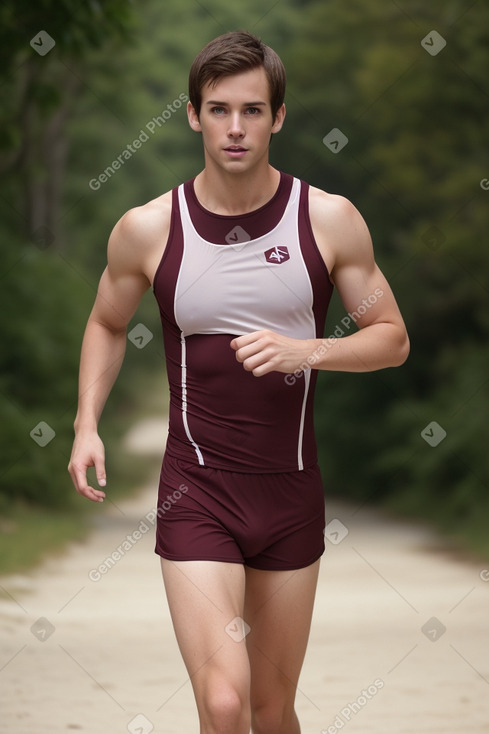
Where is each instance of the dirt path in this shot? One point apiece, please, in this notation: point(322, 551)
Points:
point(399, 642)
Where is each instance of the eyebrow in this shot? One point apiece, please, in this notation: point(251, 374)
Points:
point(246, 104)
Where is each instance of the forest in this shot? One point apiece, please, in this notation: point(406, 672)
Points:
point(387, 105)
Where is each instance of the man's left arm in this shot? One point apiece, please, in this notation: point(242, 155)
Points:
point(381, 341)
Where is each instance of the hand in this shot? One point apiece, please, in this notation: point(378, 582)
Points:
point(88, 450)
point(265, 351)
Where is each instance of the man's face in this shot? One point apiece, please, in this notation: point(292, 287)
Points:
point(236, 120)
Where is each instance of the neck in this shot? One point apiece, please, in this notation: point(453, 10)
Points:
point(226, 193)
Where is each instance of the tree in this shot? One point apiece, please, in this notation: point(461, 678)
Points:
point(413, 110)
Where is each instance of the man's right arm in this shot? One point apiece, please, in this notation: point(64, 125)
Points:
point(134, 247)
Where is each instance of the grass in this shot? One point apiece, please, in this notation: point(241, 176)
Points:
point(30, 534)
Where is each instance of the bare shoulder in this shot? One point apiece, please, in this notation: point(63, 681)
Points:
point(138, 239)
point(340, 230)
point(322, 201)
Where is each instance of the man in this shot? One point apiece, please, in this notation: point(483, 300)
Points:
point(242, 261)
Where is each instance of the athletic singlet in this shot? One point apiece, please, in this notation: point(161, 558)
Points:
point(225, 276)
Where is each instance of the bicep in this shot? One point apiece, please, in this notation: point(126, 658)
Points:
point(366, 295)
point(123, 282)
point(118, 297)
point(362, 287)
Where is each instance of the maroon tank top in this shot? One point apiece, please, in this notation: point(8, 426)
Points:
point(221, 277)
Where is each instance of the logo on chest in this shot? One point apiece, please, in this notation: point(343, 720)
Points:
point(277, 255)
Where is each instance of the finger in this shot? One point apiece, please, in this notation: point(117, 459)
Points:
point(259, 363)
point(100, 470)
point(95, 495)
point(243, 341)
point(249, 358)
point(255, 349)
point(79, 477)
point(261, 371)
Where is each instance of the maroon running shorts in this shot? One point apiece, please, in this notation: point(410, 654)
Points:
point(273, 522)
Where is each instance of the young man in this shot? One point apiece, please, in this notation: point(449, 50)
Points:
point(242, 260)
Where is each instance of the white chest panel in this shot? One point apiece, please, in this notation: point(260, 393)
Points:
point(240, 288)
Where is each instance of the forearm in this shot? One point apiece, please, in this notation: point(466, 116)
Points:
point(373, 348)
point(379, 345)
point(101, 358)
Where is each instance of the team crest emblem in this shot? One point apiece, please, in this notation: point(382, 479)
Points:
point(277, 255)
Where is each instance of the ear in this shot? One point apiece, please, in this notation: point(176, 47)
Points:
point(279, 120)
point(193, 118)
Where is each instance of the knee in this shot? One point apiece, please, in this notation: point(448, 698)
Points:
point(226, 709)
point(273, 717)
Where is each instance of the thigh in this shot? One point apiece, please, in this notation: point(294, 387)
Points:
point(278, 608)
point(204, 598)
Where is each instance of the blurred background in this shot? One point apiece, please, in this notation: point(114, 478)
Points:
point(404, 81)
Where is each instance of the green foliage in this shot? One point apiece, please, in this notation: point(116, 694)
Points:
point(42, 312)
point(416, 155)
point(66, 117)
point(45, 296)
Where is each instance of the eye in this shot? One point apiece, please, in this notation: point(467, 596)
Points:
point(217, 110)
point(252, 111)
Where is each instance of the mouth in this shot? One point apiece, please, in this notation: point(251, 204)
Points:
point(236, 151)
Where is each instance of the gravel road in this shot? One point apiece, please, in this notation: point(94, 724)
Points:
point(399, 642)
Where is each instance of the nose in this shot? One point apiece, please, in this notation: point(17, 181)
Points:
point(235, 129)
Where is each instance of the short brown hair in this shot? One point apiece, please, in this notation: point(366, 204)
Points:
point(233, 53)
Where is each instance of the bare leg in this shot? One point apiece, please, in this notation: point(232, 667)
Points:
point(204, 597)
point(278, 608)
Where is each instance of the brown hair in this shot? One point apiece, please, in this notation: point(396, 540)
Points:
point(233, 53)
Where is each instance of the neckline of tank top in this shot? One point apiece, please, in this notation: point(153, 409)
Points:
point(284, 187)
point(278, 213)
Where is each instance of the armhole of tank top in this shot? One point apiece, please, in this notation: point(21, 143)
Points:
point(304, 208)
point(175, 211)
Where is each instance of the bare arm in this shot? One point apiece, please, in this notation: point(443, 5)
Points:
point(131, 257)
point(382, 341)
